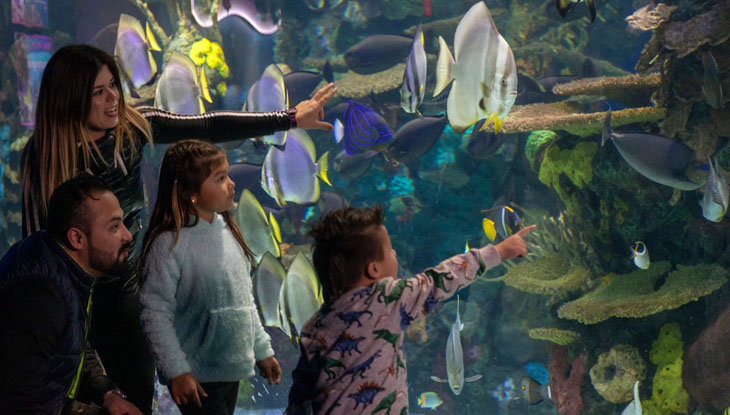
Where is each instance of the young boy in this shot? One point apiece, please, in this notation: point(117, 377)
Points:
point(351, 351)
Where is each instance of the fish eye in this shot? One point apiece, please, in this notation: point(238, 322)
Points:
point(481, 104)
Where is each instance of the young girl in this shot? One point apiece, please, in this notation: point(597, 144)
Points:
point(198, 310)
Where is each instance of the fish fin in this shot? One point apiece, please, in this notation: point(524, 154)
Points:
point(563, 6)
point(151, 41)
point(418, 114)
point(497, 125)
point(338, 131)
point(327, 72)
point(473, 378)
point(439, 380)
point(275, 228)
point(606, 129)
point(323, 165)
point(200, 104)
point(489, 230)
point(204, 85)
point(153, 64)
point(592, 8)
point(443, 67)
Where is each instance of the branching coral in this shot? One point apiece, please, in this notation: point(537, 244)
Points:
point(632, 90)
point(634, 295)
point(566, 390)
point(564, 116)
point(616, 371)
point(356, 86)
point(557, 336)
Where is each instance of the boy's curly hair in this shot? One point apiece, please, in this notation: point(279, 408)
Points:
point(345, 242)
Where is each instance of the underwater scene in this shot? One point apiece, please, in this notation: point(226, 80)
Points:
point(604, 123)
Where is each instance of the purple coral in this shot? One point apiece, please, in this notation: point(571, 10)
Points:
point(566, 389)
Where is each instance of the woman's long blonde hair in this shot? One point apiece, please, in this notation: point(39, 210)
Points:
point(60, 137)
point(186, 165)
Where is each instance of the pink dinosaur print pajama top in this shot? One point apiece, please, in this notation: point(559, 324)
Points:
point(352, 359)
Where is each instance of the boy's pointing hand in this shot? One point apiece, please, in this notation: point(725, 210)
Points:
point(515, 245)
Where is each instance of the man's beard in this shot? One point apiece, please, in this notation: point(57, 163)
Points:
point(113, 266)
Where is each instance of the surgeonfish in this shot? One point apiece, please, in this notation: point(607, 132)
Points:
point(301, 295)
point(416, 138)
point(714, 203)
point(564, 6)
point(634, 407)
point(455, 358)
point(377, 53)
point(640, 255)
point(181, 88)
point(301, 84)
point(484, 144)
point(267, 282)
point(133, 48)
point(290, 175)
point(413, 88)
point(533, 391)
point(268, 93)
point(502, 221)
point(429, 400)
point(352, 167)
point(256, 227)
point(329, 201)
point(484, 72)
point(364, 130)
point(657, 158)
point(711, 85)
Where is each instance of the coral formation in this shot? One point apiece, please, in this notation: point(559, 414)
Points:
point(632, 90)
point(536, 144)
point(649, 18)
point(668, 395)
point(210, 53)
point(704, 373)
point(549, 275)
point(634, 294)
point(575, 163)
point(566, 390)
point(709, 27)
point(668, 346)
point(616, 371)
point(557, 336)
point(355, 86)
point(566, 116)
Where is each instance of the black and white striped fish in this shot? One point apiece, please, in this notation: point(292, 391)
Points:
point(413, 88)
point(484, 72)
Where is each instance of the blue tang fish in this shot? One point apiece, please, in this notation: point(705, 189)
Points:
point(364, 130)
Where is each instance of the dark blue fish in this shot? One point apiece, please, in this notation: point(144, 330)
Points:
point(329, 201)
point(352, 167)
point(301, 84)
point(415, 138)
point(377, 53)
point(484, 144)
point(364, 130)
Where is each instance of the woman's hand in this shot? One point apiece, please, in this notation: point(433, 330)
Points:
point(185, 389)
point(311, 112)
point(269, 369)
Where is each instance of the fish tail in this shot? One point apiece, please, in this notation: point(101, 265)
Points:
point(443, 67)
point(327, 72)
point(592, 8)
point(497, 125)
point(323, 166)
point(275, 228)
point(489, 229)
point(151, 41)
point(606, 129)
point(204, 85)
point(562, 6)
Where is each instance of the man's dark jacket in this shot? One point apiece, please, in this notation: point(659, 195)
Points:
point(44, 295)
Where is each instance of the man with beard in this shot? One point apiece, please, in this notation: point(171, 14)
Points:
point(46, 285)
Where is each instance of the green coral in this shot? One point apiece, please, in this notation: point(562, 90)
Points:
point(575, 164)
point(210, 53)
point(551, 334)
point(549, 275)
point(668, 395)
point(536, 142)
point(634, 295)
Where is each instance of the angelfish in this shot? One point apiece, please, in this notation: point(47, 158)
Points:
point(413, 88)
point(484, 72)
point(455, 358)
point(640, 255)
point(715, 201)
point(133, 48)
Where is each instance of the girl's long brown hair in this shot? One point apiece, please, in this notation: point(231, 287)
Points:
point(186, 165)
point(60, 138)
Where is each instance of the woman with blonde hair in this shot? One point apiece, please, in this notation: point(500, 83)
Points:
point(83, 124)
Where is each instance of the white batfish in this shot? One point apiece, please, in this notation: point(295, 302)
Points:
point(300, 295)
point(413, 88)
point(268, 93)
point(484, 72)
point(181, 88)
point(290, 175)
point(715, 201)
point(455, 358)
point(267, 282)
point(262, 234)
point(133, 48)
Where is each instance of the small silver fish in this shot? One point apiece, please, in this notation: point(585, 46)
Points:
point(715, 201)
point(413, 88)
point(711, 86)
point(640, 255)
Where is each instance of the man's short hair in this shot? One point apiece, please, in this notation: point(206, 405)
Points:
point(345, 242)
point(68, 208)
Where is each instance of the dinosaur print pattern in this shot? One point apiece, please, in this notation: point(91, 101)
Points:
point(352, 355)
